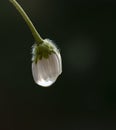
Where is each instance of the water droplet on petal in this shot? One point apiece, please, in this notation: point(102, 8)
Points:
point(46, 83)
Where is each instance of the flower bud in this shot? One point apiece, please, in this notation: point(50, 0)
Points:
point(46, 63)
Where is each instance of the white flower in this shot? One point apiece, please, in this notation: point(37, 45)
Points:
point(46, 63)
point(46, 59)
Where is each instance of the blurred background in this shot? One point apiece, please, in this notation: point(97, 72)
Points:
point(84, 96)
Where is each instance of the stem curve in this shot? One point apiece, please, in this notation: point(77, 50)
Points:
point(35, 34)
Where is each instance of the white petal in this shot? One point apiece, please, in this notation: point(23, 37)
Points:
point(46, 71)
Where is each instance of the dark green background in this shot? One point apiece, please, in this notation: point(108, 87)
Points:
point(84, 96)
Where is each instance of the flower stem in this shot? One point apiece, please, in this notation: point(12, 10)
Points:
point(35, 34)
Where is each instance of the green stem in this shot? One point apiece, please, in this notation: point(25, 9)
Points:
point(35, 34)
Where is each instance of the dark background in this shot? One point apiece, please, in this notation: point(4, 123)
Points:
point(84, 96)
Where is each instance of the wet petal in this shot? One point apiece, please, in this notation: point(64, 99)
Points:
point(46, 71)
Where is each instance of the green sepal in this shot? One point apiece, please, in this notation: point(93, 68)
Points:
point(41, 51)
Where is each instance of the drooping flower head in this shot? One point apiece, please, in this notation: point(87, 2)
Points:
point(46, 63)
